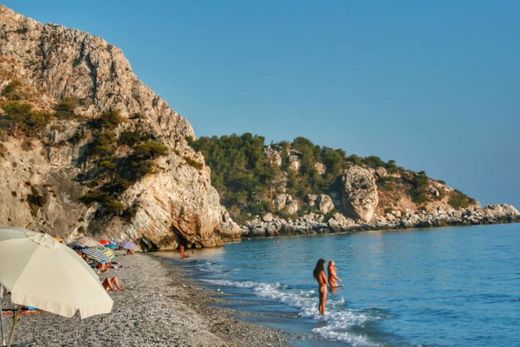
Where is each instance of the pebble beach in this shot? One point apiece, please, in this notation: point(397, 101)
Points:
point(160, 306)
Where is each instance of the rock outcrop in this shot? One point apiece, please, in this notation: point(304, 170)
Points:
point(39, 186)
point(326, 204)
point(360, 193)
point(313, 223)
point(333, 192)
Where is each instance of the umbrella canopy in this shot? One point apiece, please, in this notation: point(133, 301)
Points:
point(41, 272)
point(86, 242)
point(112, 245)
point(99, 254)
point(127, 245)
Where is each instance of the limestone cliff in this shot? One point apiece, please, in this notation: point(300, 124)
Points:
point(63, 157)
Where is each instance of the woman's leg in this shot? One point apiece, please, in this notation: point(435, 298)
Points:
point(107, 284)
point(320, 307)
point(116, 283)
point(324, 302)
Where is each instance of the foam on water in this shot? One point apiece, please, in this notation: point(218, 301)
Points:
point(336, 325)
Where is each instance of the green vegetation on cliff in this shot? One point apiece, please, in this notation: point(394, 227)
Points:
point(247, 177)
point(240, 171)
point(116, 159)
point(249, 174)
point(121, 161)
point(20, 116)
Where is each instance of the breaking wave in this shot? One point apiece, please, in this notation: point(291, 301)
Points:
point(337, 325)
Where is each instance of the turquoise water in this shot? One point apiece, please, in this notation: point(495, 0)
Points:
point(436, 287)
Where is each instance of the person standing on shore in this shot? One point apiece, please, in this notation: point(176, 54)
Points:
point(321, 278)
point(333, 276)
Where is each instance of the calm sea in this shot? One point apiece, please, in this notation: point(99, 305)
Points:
point(430, 287)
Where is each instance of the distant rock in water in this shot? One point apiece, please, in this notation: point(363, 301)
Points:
point(87, 148)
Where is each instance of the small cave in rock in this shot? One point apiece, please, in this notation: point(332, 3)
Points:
point(147, 245)
point(181, 239)
point(35, 200)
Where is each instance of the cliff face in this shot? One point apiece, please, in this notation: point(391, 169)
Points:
point(60, 179)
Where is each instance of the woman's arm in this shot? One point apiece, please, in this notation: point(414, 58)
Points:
point(324, 278)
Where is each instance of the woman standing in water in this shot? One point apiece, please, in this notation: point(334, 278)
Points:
point(333, 276)
point(321, 277)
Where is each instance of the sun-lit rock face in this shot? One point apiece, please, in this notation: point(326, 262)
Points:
point(39, 186)
point(360, 193)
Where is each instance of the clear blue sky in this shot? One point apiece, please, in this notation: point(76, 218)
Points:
point(431, 84)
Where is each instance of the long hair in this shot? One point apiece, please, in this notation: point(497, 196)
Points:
point(320, 266)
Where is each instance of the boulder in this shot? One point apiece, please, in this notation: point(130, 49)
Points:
point(360, 197)
point(340, 223)
point(273, 156)
point(294, 163)
point(500, 212)
point(292, 207)
point(311, 199)
point(268, 217)
point(319, 168)
point(381, 172)
point(326, 205)
point(280, 201)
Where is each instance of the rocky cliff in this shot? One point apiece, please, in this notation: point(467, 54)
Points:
point(87, 148)
point(300, 187)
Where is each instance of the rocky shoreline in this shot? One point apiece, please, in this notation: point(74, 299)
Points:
point(316, 223)
point(160, 306)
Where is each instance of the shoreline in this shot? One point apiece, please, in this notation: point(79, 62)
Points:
point(160, 306)
point(259, 229)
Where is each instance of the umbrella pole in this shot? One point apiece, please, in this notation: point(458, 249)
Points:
point(16, 318)
point(2, 324)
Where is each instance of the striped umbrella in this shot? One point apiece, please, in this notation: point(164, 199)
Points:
point(99, 254)
point(127, 245)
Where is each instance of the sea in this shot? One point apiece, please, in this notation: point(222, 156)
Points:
point(455, 286)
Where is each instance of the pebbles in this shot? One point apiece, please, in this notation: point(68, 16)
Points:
point(160, 307)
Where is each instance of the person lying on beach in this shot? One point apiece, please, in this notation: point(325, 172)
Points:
point(321, 278)
point(103, 267)
point(112, 284)
point(26, 310)
point(333, 276)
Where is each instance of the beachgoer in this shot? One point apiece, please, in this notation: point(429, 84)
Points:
point(183, 254)
point(333, 276)
point(112, 284)
point(321, 278)
point(102, 267)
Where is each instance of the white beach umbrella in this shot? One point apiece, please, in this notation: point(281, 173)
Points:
point(41, 272)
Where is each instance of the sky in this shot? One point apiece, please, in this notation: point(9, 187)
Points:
point(431, 84)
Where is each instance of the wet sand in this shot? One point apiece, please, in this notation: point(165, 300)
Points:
point(161, 306)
